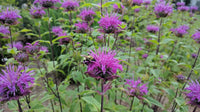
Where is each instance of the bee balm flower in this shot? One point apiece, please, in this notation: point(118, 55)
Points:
point(162, 9)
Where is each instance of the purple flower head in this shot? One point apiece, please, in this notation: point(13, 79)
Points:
point(145, 56)
point(37, 12)
point(103, 65)
point(147, 2)
point(137, 10)
point(82, 27)
point(180, 78)
point(161, 56)
point(194, 93)
point(21, 57)
point(162, 9)
point(137, 2)
point(180, 31)
point(47, 3)
point(57, 30)
point(32, 49)
point(9, 16)
point(4, 31)
point(138, 49)
point(194, 55)
point(15, 82)
point(110, 24)
point(152, 28)
point(17, 45)
point(193, 8)
point(70, 5)
point(64, 40)
point(196, 36)
point(87, 14)
point(45, 49)
point(136, 88)
point(100, 38)
point(183, 8)
point(118, 9)
point(180, 4)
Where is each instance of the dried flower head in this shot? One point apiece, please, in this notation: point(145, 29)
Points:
point(103, 64)
point(15, 82)
point(70, 5)
point(162, 9)
point(136, 88)
point(110, 24)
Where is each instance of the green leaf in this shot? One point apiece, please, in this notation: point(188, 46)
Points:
point(25, 30)
point(153, 101)
point(58, 38)
point(92, 101)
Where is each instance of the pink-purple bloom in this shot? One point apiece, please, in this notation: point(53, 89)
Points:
point(4, 31)
point(103, 65)
point(15, 82)
point(180, 4)
point(47, 3)
point(147, 2)
point(17, 45)
point(152, 28)
point(9, 16)
point(138, 49)
point(137, 10)
point(87, 14)
point(82, 27)
point(194, 93)
point(193, 8)
point(21, 57)
point(196, 36)
point(180, 31)
point(57, 30)
point(145, 56)
point(136, 88)
point(162, 9)
point(110, 24)
point(183, 8)
point(70, 5)
point(194, 55)
point(37, 12)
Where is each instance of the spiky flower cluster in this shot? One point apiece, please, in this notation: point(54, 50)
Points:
point(110, 24)
point(103, 65)
point(180, 31)
point(87, 15)
point(9, 16)
point(47, 3)
point(183, 8)
point(82, 27)
point(136, 88)
point(162, 9)
point(194, 93)
point(137, 2)
point(34, 48)
point(152, 28)
point(196, 36)
point(4, 31)
point(58, 31)
point(70, 5)
point(180, 4)
point(37, 12)
point(15, 82)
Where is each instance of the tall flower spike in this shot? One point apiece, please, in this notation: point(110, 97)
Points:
point(70, 5)
point(162, 9)
point(15, 82)
point(47, 3)
point(136, 88)
point(9, 16)
point(103, 64)
point(87, 15)
point(194, 93)
point(110, 24)
point(37, 12)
